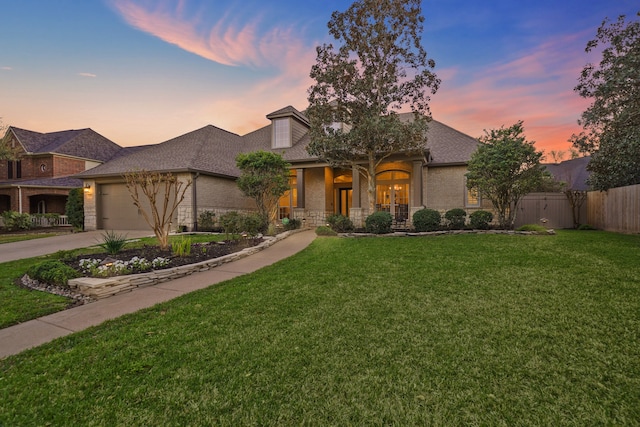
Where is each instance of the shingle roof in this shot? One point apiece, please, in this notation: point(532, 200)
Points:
point(64, 182)
point(573, 172)
point(209, 150)
point(83, 143)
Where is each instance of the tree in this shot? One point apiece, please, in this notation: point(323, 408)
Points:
point(6, 151)
point(265, 178)
point(612, 122)
point(74, 208)
point(146, 186)
point(504, 168)
point(379, 68)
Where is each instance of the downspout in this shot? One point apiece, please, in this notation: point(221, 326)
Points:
point(19, 199)
point(194, 203)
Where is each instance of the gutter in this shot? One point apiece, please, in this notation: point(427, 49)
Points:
point(194, 202)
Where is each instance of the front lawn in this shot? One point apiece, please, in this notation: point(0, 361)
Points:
point(448, 330)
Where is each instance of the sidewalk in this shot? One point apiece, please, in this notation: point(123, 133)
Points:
point(18, 338)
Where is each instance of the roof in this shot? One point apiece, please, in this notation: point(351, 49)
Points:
point(573, 172)
point(209, 149)
point(83, 143)
point(63, 182)
point(212, 150)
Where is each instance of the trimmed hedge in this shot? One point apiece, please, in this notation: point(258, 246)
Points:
point(426, 220)
point(379, 223)
point(480, 220)
point(456, 218)
point(340, 223)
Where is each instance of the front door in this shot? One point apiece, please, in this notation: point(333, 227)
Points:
point(392, 194)
point(344, 200)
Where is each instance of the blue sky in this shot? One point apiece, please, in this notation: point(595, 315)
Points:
point(141, 71)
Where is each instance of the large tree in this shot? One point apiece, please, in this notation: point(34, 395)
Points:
point(504, 168)
point(379, 68)
point(6, 151)
point(612, 122)
point(265, 178)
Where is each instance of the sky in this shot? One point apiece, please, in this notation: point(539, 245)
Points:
point(142, 72)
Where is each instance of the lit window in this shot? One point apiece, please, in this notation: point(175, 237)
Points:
point(281, 133)
point(472, 197)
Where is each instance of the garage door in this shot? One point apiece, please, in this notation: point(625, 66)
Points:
point(116, 210)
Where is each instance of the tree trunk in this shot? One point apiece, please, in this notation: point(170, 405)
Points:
point(371, 184)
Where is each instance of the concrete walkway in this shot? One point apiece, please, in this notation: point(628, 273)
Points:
point(18, 338)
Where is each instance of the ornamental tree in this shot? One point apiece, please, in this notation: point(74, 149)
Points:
point(504, 168)
point(264, 178)
point(612, 122)
point(378, 68)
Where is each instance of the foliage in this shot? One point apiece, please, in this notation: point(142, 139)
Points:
point(157, 196)
point(340, 223)
point(323, 230)
point(504, 168)
point(456, 218)
point(230, 223)
point(576, 200)
point(480, 220)
point(536, 228)
point(8, 151)
point(379, 222)
point(612, 122)
point(293, 224)
point(426, 220)
point(54, 272)
point(181, 247)
point(265, 178)
point(113, 242)
point(16, 221)
point(378, 68)
point(206, 221)
point(586, 227)
point(446, 331)
point(253, 224)
point(74, 209)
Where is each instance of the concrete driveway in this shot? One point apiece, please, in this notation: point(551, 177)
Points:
point(49, 245)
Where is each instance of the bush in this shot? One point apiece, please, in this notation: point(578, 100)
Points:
point(456, 218)
point(113, 242)
point(253, 224)
point(426, 220)
point(16, 221)
point(323, 230)
point(480, 220)
point(206, 221)
point(532, 227)
point(340, 223)
point(292, 224)
point(379, 222)
point(74, 209)
point(230, 223)
point(586, 227)
point(53, 272)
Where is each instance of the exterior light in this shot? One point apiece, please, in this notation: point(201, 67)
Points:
point(87, 188)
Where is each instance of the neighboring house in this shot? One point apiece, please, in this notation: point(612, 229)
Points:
point(405, 184)
point(40, 179)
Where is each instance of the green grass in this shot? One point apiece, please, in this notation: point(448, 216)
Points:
point(20, 304)
point(10, 238)
point(450, 330)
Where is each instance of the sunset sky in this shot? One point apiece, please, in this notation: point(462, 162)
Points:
point(142, 72)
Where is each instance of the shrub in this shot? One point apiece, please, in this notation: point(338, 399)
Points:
point(323, 230)
point(340, 223)
point(586, 227)
point(426, 220)
point(181, 247)
point(74, 209)
point(16, 221)
point(379, 222)
point(53, 272)
point(532, 227)
point(292, 224)
point(480, 220)
point(253, 224)
point(206, 221)
point(456, 218)
point(230, 223)
point(113, 242)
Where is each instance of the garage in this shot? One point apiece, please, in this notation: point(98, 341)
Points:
point(116, 210)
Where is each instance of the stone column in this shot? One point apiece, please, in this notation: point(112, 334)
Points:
point(300, 188)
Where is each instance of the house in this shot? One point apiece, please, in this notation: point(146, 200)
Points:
point(40, 179)
point(405, 184)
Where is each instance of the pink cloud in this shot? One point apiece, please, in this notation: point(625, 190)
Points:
point(536, 87)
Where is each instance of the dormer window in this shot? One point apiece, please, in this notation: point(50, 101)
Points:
point(281, 133)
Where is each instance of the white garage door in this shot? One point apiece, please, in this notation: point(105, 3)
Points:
point(116, 210)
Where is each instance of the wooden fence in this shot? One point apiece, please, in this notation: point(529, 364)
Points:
point(617, 209)
point(551, 210)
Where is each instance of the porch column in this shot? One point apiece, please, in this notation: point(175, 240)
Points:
point(417, 201)
point(300, 187)
point(355, 213)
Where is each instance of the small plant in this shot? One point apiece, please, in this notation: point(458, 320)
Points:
point(535, 228)
point(113, 242)
point(379, 223)
point(206, 221)
point(53, 272)
point(292, 224)
point(586, 227)
point(16, 221)
point(230, 223)
point(340, 223)
point(253, 224)
point(426, 220)
point(181, 247)
point(456, 218)
point(480, 220)
point(323, 230)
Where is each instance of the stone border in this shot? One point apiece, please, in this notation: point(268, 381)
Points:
point(447, 232)
point(98, 288)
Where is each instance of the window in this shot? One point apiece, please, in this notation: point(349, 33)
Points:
point(43, 167)
point(289, 200)
point(281, 133)
point(472, 197)
point(9, 169)
point(14, 169)
point(392, 194)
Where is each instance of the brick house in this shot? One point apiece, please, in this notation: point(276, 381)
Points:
point(40, 179)
point(434, 179)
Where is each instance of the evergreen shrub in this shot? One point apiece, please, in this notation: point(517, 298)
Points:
point(480, 220)
point(379, 223)
point(426, 220)
point(456, 218)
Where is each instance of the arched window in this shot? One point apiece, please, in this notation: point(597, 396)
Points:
point(392, 193)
